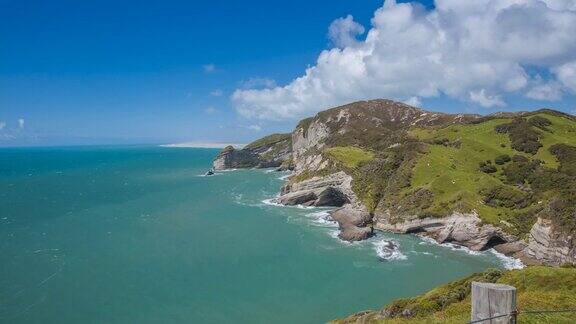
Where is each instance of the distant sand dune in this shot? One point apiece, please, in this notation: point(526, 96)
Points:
point(203, 145)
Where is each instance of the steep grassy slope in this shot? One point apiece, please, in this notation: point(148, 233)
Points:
point(539, 288)
point(467, 167)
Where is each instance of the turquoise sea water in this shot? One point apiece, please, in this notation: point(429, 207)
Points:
point(135, 235)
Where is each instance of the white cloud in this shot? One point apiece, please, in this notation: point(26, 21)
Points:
point(567, 74)
point(216, 93)
point(210, 110)
point(255, 128)
point(468, 50)
point(547, 91)
point(21, 123)
point(2, 125)
point(343, 31)
point(258, 83)
point(485, 100)
point(209, 68)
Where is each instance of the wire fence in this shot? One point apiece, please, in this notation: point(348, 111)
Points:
point(514, 315)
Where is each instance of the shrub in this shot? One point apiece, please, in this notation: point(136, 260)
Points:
point(502, 159)
point(487, 167)
point(518, 171)
point(523, 137)
point(506, 196)
point(539, 122)
point(566, 155)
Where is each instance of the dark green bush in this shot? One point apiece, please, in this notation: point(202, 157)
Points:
point(523, 137)
point(566, 155)
point(518, 171)
point(502, 159)
point(506, 196)
point(487, 167)
point(539, 122)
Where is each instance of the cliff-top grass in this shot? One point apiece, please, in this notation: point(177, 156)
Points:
point(350, 156)
point(268, 140)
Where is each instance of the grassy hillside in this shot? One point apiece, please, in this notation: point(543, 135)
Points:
point(472, 167)
point(509, 170)
point(538, 288)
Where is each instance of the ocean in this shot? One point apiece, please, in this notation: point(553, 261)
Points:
point(137, 234)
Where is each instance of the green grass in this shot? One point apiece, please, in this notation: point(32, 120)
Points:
point(351, 157)
point(452, 174)
point(538, 288)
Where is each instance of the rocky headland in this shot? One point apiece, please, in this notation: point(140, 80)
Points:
point(503, 181)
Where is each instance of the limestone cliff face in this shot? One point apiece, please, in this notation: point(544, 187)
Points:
point(550, 246)
point(307, 144)
point(231, 158)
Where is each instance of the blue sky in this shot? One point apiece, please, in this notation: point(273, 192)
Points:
point(94, 72)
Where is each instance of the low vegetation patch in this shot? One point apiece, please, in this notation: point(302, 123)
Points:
point(351, 157)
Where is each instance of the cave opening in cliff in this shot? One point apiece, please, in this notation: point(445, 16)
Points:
point(493, 241)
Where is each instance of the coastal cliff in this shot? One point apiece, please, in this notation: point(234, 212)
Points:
point(271, 151)
point(505, 181)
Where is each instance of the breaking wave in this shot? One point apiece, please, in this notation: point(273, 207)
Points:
point(388, 250)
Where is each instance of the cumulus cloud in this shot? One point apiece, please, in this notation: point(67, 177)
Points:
point(209, 68)
point(476, 51)
point(21, 123)
point(2, 125)
point(258, 83)
point(566, 73)
point(547, 91)
point(486, 100)
point(343, 31)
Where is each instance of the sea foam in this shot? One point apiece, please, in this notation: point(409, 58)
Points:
point(388, 250)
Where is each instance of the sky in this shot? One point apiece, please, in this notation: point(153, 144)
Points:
point(119, 72)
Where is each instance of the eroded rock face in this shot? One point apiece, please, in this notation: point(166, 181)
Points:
point(462, 229)
point(333, 190)
point(231, 158)
point(550, 246)
point(307, 144)
point(355, 233)
point(298, 198)
point(354, 224)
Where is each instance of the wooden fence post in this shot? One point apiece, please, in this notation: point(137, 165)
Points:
point(489, 300)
